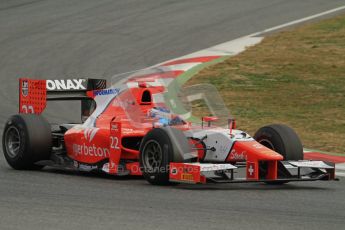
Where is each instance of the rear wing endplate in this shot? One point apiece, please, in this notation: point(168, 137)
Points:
point(34, 94)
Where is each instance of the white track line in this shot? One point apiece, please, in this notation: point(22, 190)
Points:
point(229, 48)
point(340, 169)
point(300, 20)
point(238, 45)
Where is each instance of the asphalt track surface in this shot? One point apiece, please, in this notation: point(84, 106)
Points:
point(60, 39)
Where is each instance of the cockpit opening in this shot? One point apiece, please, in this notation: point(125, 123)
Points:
point(146, 98)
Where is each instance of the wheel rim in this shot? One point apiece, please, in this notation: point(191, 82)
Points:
point(12, 141)
point(267, 144)
point(152, 159)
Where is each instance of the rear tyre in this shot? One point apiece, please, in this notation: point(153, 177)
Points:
point(158, 149)
point(283, 140)
point(26, 140)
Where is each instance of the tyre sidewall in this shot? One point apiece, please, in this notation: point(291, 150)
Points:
point(269, 134)
point(160, 177)
point(35, 140)
point(24, 157)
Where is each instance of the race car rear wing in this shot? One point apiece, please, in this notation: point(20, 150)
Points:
point(34, 94)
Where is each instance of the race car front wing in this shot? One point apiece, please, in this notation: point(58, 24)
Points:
point(285, 171)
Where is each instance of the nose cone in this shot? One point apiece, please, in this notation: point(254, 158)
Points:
point(252, 150)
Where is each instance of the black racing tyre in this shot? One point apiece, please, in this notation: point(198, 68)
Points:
point(281, 139)
point(284, 141)
point(158, 149)
point(26, 140)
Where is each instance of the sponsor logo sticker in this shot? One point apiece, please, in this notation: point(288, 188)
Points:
point(187, 177)
point(69, 84)
point(234, 155)
point(251, 170)
point(90, 150)
point(25, 88)
point(104, 92)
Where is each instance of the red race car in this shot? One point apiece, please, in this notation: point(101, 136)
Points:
point(144, 128)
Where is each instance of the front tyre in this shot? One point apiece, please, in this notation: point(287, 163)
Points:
point(26, 140)
point(281, 139)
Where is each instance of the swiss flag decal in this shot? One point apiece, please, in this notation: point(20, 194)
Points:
point(252, 170)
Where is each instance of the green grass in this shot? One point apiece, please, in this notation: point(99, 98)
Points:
point(296, 77)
